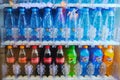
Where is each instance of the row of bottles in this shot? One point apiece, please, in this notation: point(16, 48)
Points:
point(71, 24)
point(91, 61)
point(60, 1)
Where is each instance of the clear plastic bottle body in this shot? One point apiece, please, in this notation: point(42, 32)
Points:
point(35, 24)
point(59, 25)
point(9, 24)
point(22, 25)
point(47, 24)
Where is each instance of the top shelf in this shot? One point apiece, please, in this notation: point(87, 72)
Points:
point(41, 5)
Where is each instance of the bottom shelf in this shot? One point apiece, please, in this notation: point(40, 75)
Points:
point(59, 78)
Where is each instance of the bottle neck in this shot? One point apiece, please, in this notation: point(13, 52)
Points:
point(10, 52)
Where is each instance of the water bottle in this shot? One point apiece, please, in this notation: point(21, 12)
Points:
point(72, 17)
point(34, 24)
point(110, 23)
point(22, 25)
point(59, 25)
point(97, 24)
point(85, 22)
point(47, 24)
point(9, 23)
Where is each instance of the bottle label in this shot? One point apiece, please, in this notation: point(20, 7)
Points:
point(92, 32)
point(79, 33)
point(60, 60)
point(66, 33)
point(40, 32)
point(27, 32)
point(107, 60)
point(22, 60)
point(54, 33)
point(62, 32)
point(48, 32)
point(35, 60)
point(34, 33)
point(9, 31)
point(105, 33)
point(47, 60)
point(84, 59)
point(97, 59)
point(15, 32)
point(11, 60)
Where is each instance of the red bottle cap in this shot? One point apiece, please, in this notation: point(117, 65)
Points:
point(34, 47)
point(47, 47)
point(60, 47)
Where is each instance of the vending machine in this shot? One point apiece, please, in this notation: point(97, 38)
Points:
point(59, 40)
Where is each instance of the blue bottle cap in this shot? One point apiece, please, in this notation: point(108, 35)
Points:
point(111, 9)
point(98, 9)
point(47, 9)
point(22, 9)
point(59, 8)
point(9, 10)
point(34, 9)
point(85, 9)
point(72, 8)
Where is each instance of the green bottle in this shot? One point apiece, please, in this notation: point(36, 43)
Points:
point(71, 59)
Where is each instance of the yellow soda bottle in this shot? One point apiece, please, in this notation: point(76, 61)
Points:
point(108, 55)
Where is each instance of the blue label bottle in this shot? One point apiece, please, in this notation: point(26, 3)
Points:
point(47, 24)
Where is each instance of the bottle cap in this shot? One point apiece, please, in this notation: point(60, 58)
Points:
point(34, 47)
point(72, 8)
point(98, 9)
point(34, 9)
point(99, 46)
point(47, 9)
point(9, 9)
point(22, 47)
point(47, 47)
point(109, 46)
point(60, 47)
point(9, 47)
point(111, 9)
point(59, 8)
point(85, 46)
point(22, 9)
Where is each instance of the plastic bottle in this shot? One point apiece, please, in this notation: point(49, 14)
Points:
point(47, 60)
point(97, 23)
point(71, 59)
point(47, 24)
point(22, 55)
point(9, 23)
point(108, 55)
point(34, 56)
point(85, 22)
point(10, 56)
point(110, 23)
point(59, 25)
point(96, 55)
point(22, 25)
point(35, 24)
point(84, 59)
point(60, 60)
point(72, 18)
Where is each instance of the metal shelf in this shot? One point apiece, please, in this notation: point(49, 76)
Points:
point(41, 5)
point(79, 43)
point(61, 78)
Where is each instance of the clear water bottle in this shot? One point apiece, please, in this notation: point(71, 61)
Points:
point(34, 24)
point(72, 17)
point(60, 25)
point(22, 25)
point(110, 23)
point(97, 23)
point(85, 22)
point(9, 23)
point(47, 24)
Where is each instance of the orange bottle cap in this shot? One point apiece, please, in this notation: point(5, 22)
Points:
point(110, 46)
point(22, 47)
point(85, 46)
point(99, 46)
point(9, 47)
